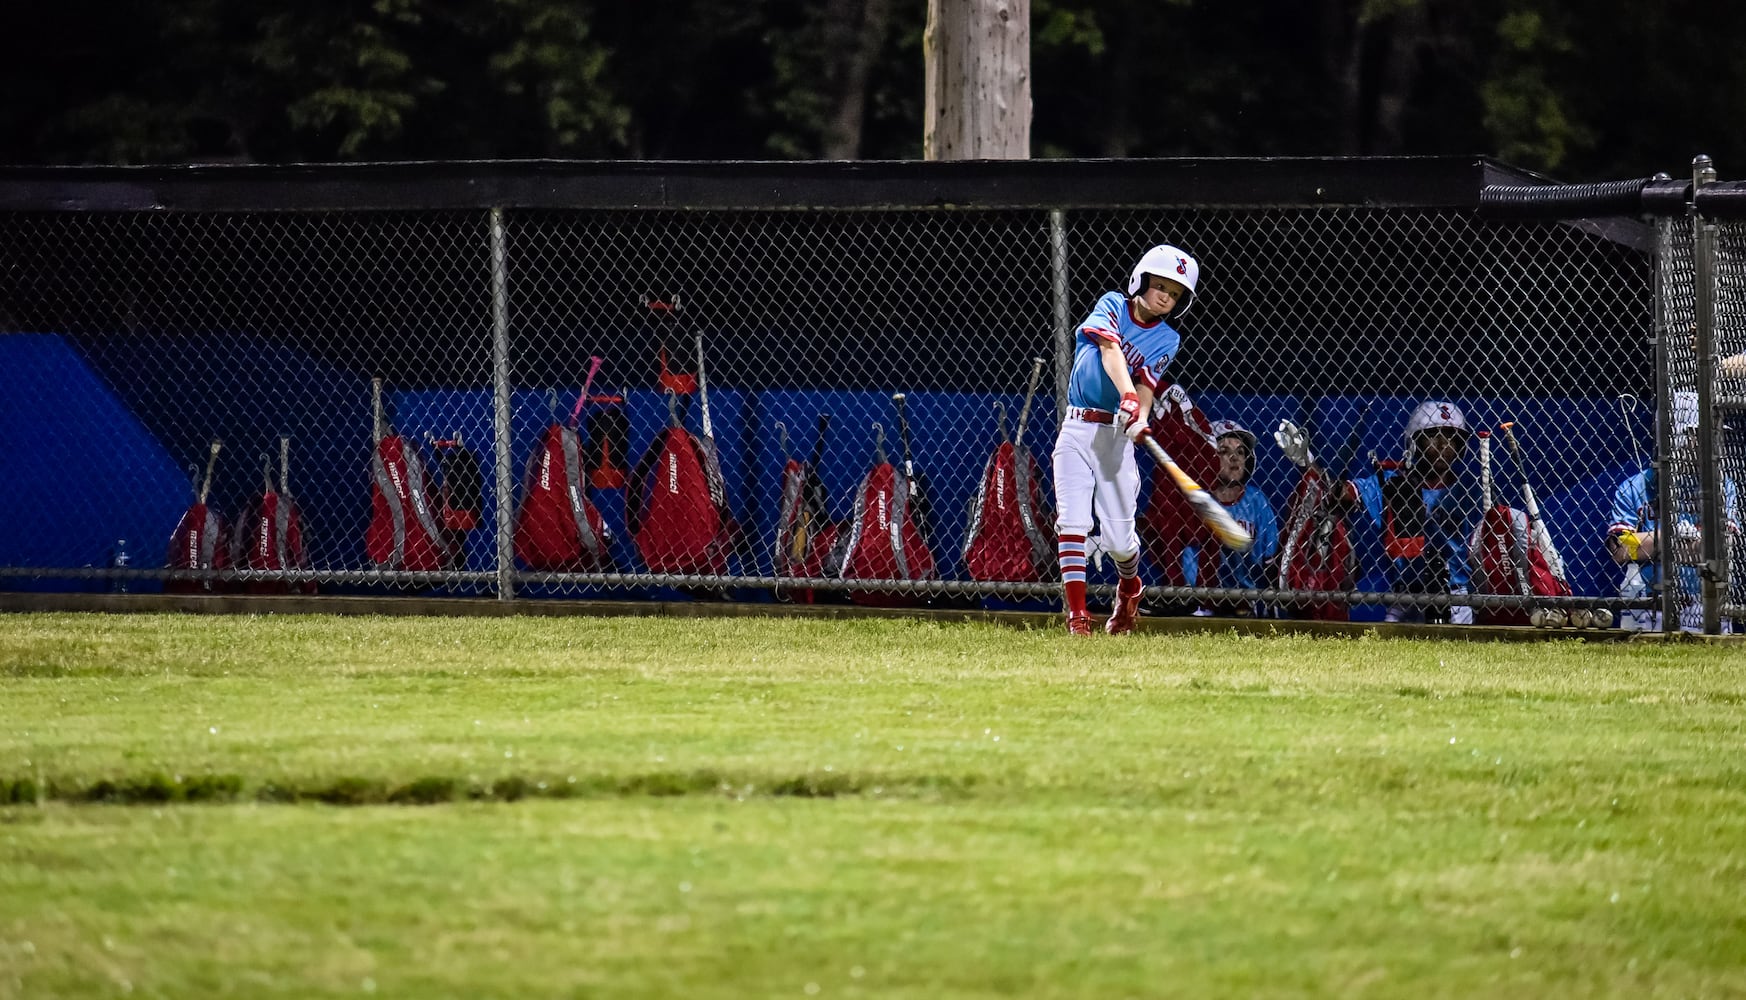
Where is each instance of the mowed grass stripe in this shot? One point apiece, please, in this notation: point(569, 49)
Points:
point(859, 808)
point(167, 708)
point(714, 897)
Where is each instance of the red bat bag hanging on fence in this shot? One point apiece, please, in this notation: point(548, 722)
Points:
point(1498, 548)
point(884, 541)
point(1316, 551)
point(806, 537)
point(1005, 538)
point(1169, 526)
point(198, 541)
point(1512, 551)
point(269, 534)
point(403, 533)
point(557, 527)
point(676, 509)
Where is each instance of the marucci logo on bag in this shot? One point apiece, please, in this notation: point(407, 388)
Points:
point(546, 471)
point(884, 521)
point(672, 473)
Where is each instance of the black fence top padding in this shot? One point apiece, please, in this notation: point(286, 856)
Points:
point(1723, 200)
point(1433, 182)
point(1563, 201)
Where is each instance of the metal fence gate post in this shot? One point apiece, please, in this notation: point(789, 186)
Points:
point(1667, 230)
point(1063, 318)
point(500, 413)
point(1713, 573)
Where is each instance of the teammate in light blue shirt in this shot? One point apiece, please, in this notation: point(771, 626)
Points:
point(1212, 564)
point(1633, 538)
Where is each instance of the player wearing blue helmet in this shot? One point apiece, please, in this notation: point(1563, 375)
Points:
point(1122, 349)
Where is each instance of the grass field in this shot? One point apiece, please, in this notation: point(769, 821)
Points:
point(308, 806)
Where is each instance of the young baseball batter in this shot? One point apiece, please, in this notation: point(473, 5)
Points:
point(1124, 345)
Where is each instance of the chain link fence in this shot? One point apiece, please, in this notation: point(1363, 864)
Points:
point(1730, 407)
point(728, 402)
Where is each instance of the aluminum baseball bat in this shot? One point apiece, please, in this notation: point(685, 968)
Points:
point(1212, 513)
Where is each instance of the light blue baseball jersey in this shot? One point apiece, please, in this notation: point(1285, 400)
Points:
point(1634, 508)
point(1242, 569)
point(1449, 521)
point(1148, 347)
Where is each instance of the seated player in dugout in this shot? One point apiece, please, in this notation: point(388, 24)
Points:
point(1218, 566)
point(1179, 546)
point(1422, 510)
point(1634, 537)
point(1120, 353)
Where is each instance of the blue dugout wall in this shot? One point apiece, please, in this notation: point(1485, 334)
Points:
point(133, 446)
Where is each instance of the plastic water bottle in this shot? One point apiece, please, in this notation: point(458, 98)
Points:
point(118, 560)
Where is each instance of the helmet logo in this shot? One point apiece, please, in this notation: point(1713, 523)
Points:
point(1181, 265)
point(1443, 408)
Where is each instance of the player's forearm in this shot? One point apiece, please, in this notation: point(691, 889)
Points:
point(1145, 395)
point(1116, 367)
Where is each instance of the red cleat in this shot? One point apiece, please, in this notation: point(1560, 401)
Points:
point(1127, 609)
point(1079, 624)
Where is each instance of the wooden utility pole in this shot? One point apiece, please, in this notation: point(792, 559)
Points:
point(978, 90)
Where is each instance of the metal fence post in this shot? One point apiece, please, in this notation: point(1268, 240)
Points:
point(1713, 573)
point(500, 415)
point(1063, 317)
point(1662, 462)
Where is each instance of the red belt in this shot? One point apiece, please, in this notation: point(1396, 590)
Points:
point(1090, 416)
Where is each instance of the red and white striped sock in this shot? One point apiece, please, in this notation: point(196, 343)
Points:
point(1070, 550)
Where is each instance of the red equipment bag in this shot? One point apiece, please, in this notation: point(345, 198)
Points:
point(1317, 553)
point(884, 542)
point(676, 509)
point(403, 533)
point(199, 540)
point(806, 538)
point(1508, 556)
point(1506, 561)
point(1005, 539)
point(557, 527)
point(269, 534)
point(1169, 526)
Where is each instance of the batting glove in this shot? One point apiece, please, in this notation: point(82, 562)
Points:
point(1295, 443)
point(1095, 550)
point(1127, 417)
point(1631, 542)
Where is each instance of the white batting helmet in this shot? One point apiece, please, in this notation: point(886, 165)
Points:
point(1170, 262)
point(1433, 414)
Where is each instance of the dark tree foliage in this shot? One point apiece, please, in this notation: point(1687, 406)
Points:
point(1582, 90)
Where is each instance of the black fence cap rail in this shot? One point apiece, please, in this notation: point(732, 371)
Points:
point(1380, 182)
point(1721, 200)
